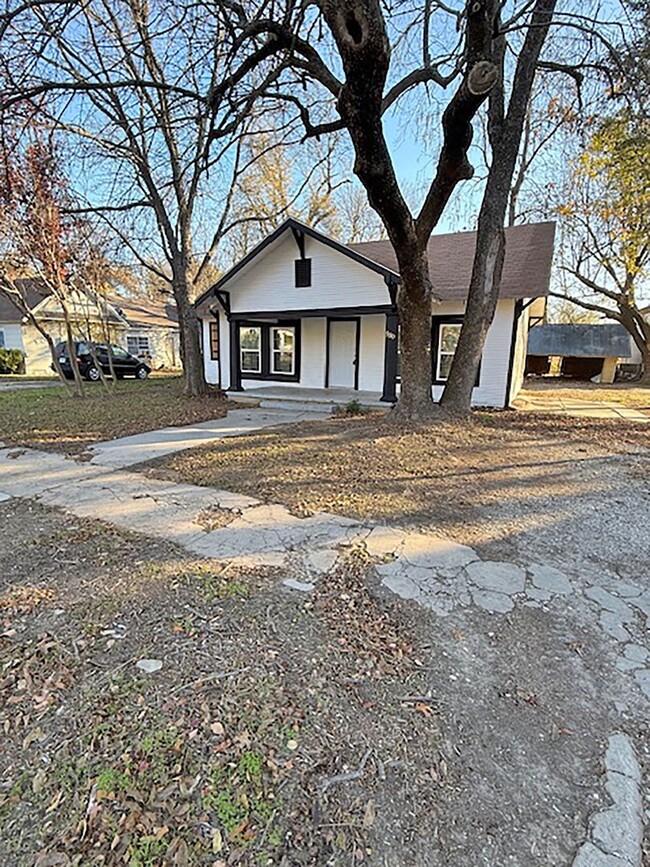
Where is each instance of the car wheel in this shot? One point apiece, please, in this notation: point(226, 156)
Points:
point(92, 374)
point(142, 372)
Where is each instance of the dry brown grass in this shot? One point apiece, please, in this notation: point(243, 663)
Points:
point(49, 418)
point(441, 474)
point(628, 394)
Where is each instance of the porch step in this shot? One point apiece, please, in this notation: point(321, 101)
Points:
point(296, 405)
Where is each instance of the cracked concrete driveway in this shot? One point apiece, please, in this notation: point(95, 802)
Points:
point(535, 643)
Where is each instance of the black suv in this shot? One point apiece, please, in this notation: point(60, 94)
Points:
point(124, 364)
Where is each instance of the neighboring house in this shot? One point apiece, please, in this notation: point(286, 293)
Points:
point(580, 351)
point(146, 328)
point(302, 310)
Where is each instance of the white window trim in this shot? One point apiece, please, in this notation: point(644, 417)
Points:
point(138, 337)
point(242, 349)
point(441, 352)
point(280, 351)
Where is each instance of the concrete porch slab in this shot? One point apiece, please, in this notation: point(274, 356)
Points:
point(327, 398)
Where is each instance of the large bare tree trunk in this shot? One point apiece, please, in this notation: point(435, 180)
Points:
point(505, 133)
point(414, 308)
point(479, 310)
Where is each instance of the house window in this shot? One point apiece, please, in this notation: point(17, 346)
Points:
point(214, 341)
point(138, 344)
point(283, 342)
point(448, 335)
point(303, 272)
point(250, 342)
point(2, 339)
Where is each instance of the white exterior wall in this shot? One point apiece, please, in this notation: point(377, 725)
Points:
point(268, 283)
point(13, 335)
point(519, 360)
point(371, 353)
point(211, 367)
point(491, 390)
point(494, 367)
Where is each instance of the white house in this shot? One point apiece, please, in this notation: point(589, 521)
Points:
point(304, 311)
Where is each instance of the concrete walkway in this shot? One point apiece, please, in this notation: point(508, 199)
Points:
point(578, 407)
point(127, 451)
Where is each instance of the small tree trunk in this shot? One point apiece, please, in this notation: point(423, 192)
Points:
point(479, 313)
point(414, 309)
point(55, 359)
point(644, 379)
point(72, 355)
point(191, 356)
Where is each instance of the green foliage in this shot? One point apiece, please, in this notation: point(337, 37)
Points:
point(147, 852)
point(11, 360)
point(111, 780)
point(613, 174)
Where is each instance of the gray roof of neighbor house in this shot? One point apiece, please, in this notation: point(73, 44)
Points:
point(591, 341)
point(526, 269)
point(33, 291)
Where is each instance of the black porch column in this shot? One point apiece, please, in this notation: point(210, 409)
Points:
point(235, 372)
point(389, 394)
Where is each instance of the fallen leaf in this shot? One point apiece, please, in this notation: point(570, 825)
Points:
point(424, 709)
point(369, 815)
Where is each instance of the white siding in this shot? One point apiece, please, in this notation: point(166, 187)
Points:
point(491, 390)
point(268, 283)
point(371, 353)
point(519, 360)
point(13, 335)
point(212, 367)
point(494, 366)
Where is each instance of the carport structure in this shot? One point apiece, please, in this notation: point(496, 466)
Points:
point(582, 351)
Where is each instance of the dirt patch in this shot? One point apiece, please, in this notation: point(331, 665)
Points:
point(447, 476)
point(50, 419)
point(277, 731)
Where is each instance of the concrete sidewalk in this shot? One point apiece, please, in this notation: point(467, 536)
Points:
point(579, 408)
point(136, 449)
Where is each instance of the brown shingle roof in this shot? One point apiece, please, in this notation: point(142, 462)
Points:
point(145, 312)
point(526, 270)
point(33, 291)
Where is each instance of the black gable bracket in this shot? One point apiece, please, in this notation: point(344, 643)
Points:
point(392, 283)
point(224, 300)
point(299, 237)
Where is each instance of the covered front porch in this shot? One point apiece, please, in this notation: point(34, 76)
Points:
point(319, 398)
point(315, 356)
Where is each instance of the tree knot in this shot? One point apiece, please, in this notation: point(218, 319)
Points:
point(482, 78)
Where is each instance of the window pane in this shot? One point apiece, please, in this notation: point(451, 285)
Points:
point(445, 365)
point(283, 338)
point(2, 339)
point(214, 341)
point(449, 335)
point(250, 360)
point(282, 353)
point(250, 338)
point(283, 362)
